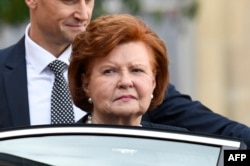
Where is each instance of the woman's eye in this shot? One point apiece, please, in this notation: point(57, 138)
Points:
point(137, 70)
point(108, 71)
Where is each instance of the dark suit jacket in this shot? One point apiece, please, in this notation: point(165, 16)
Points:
point(147, 124)
point(176, 110)
point(179, 110)
point(14, 108)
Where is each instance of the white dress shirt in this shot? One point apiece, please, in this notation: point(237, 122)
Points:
point(41, 79)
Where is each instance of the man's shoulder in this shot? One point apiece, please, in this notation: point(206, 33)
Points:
point(19, 44)
point(16, 48)
point(162, 126)
point(6, 51)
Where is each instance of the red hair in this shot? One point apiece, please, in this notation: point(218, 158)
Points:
point(103, 35)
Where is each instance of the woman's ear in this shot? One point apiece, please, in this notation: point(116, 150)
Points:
point(85, 83)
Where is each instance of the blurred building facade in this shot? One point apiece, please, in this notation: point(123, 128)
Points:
point(223, 57)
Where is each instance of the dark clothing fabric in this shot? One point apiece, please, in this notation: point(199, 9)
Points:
point(176, 110)
point(14, 106)
point(147, 124)
point(179, 110)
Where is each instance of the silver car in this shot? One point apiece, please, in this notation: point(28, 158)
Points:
point(105, 145)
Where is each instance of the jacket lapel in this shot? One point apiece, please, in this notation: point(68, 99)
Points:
point(15, 78)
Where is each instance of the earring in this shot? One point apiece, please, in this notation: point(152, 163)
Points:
point(90, 100)
point(152, 96)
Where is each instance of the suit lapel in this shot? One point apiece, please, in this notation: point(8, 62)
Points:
point(15, 78)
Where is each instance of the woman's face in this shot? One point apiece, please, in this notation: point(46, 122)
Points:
point(121, 84)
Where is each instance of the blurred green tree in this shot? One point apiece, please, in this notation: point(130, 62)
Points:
point(15, 11)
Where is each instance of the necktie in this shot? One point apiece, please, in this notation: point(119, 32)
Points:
point(61, 103)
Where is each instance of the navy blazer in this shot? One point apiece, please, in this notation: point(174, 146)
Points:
point(147, 124)
point(14, 108)
point(176, 110)
point(180, 110)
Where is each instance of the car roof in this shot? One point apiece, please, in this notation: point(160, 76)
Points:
point(232, 143)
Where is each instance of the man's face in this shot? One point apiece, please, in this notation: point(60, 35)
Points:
point(59, 21)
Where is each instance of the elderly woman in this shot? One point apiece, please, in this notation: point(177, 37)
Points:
point(118, 70)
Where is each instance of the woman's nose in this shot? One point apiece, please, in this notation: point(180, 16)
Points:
point(125, 81)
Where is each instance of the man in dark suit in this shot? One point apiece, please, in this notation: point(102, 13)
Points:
point(26, 82)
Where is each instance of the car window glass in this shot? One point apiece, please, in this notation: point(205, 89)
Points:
point(110, 150)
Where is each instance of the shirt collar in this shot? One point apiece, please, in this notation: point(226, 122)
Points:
point(38, 57)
